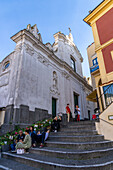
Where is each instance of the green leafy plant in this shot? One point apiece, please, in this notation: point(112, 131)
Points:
point(9, 137)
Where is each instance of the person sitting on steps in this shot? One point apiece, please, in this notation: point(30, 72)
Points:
point(26, 144)
point(21, 136)
point(55, 126)
point(32, 133)
point(39, 137)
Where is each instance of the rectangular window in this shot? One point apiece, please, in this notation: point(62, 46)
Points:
point(95, 62)
point(73, 64)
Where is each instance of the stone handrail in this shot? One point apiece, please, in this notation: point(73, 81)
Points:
point(106, 121)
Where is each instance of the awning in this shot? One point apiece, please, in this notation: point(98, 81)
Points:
point(92, 96)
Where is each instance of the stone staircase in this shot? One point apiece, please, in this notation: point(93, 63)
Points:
point(76, 146)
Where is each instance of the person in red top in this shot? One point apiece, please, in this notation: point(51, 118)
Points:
point(68, 111)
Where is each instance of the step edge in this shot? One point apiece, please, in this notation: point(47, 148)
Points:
point(66, 152)
point(75, 136)
point(5, 168)
point(60, 165)
point(80, 130)
point(70, 143)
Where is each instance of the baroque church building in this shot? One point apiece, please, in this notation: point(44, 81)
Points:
point(38, 79)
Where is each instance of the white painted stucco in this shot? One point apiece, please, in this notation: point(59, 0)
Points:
point(29, 79)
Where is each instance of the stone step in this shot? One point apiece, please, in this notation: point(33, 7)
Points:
point(71, 153)
point(76, 132)
point(78, 128)
point(78, 124)
point(8, 164)
point(81, 126)
point(51, 163)
point(76, 146)
point(82, 123)
point(80, 145)
point(76, 138)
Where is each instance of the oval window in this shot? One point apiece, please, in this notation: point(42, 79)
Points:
point(6, 65)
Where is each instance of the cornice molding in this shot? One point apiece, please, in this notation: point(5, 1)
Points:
point(96, 11)
point(104, 45)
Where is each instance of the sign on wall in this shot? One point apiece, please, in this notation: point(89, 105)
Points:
point(110, 117)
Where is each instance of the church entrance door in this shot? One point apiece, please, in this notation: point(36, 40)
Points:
point(89, 114)
point(75, 100)
point(53, 107)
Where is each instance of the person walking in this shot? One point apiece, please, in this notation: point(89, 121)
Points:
point(78, 113)
point(68, 111)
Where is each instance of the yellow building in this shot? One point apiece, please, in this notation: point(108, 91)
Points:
point(93, 63)
point(94, 70)
point(101, 21)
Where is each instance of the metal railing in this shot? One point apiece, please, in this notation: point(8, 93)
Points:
point(106, 121)
point(107, 97)
point(94, 68)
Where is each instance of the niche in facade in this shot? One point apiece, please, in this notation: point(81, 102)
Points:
point(55, 80)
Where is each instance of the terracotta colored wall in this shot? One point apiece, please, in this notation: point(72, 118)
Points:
point(105, 27)
point(108, 58)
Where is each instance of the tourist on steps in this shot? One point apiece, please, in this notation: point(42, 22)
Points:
point(26, 144)
point(78, 113)
point(39, 137)
point(20, 136)
point(32, 133)
point(68, 111)
point(55, 126)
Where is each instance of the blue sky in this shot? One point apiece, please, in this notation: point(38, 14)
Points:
point(50, 16)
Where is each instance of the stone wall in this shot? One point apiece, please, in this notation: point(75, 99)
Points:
point(22, 117)
point(105, 126)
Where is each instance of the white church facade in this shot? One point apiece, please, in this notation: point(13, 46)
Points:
point(42, 78)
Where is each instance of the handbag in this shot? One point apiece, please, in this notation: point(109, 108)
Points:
point(20, 151)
